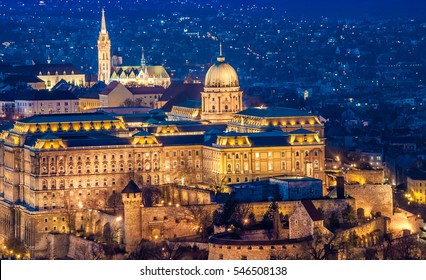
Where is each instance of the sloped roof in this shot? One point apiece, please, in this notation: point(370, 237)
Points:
point(131, 188)
point(312, 211)
point(178, 93)
point(146, 90)
point(110, 87)
point(195, 104)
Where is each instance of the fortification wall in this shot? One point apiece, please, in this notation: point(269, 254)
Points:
point(372, 199)
point(363, 177)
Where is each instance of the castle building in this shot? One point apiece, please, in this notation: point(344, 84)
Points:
point(55, 169)
point(111, 69)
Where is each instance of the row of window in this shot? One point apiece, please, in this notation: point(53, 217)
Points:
point(121, 156)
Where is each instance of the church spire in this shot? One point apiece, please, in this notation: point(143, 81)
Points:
point(220, 49)
point(143, 62)
point(103, 24)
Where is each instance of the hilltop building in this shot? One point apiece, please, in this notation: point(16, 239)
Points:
point(111, 69)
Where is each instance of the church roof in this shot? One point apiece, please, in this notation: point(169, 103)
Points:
point(157, 71)
point(131, 188)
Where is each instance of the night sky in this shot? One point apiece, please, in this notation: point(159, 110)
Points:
point(355, 8)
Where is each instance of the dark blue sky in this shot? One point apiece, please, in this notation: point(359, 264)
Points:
point(354, 8)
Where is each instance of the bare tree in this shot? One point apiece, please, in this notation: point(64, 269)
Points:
point(216, 182)
point(324, 245)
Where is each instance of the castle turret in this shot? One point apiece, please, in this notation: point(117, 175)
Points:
point(132, 200)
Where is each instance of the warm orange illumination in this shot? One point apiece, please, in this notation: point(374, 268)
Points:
point(76, 126)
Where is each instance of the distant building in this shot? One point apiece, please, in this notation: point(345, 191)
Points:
point(416, 186)
point(43, 103)
point(50, 74)
point(111, 69)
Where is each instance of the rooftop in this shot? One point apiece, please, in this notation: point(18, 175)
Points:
point(274, 112)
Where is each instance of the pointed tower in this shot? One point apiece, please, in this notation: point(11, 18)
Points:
point(132, 200)
point(222, 97)
point(143, 62)
point(104, 53)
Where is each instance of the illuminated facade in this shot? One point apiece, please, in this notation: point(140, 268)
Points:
point(416, 186)
point(54, 165)
point(141, 75)
point(222, 97)
point(104, 53)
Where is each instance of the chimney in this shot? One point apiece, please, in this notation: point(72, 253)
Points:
point(340, 186)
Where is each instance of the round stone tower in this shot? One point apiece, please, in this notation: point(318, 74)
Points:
point(132, 200)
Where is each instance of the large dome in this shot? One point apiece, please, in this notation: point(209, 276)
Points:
point(221, 74)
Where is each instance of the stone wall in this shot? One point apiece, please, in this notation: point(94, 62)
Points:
point(371, 199)
point(255, 250)
point(404, 221)
point(363, 177)
point(369, 233)
point(172, 221)
point(82, 249)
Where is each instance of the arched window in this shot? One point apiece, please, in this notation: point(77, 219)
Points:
point(297, 165)
point(44, 184)
point(229, 168)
